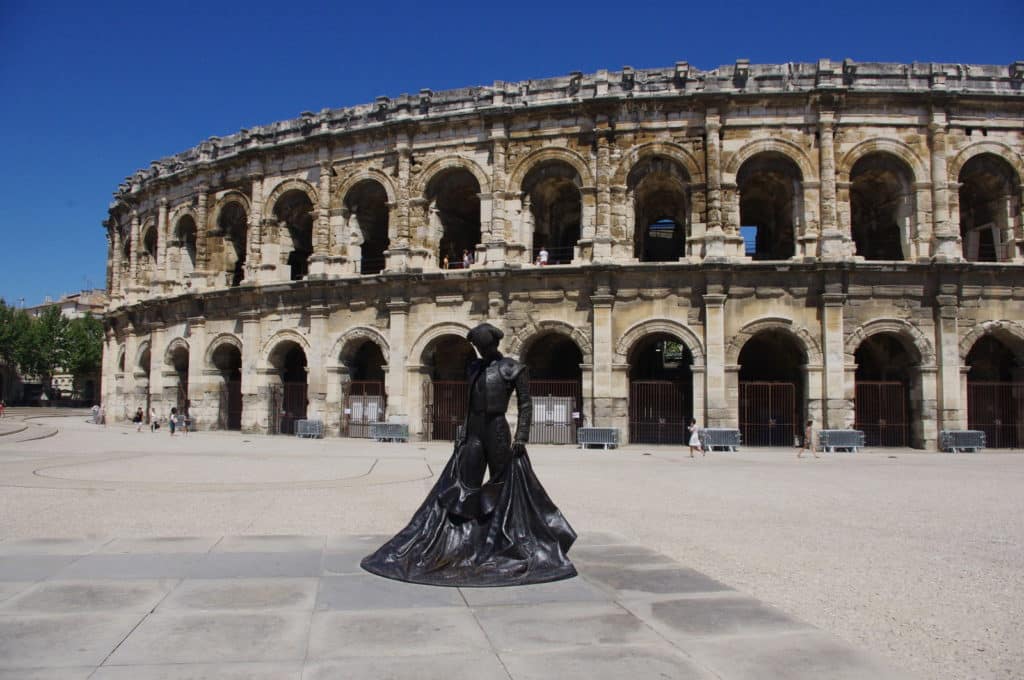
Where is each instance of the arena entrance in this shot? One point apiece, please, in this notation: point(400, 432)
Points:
point(228, 360)
point(365, 398)
point(886, 374)
point(556, 388)
point(446, 392)
point(660, 390)
point(288, 399)
point(995, 393)
point(771, 395)
point(179, 362)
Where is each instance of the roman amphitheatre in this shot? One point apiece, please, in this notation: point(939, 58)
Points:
point(751, 246)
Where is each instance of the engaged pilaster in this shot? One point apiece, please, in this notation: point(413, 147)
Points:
point(714, 343)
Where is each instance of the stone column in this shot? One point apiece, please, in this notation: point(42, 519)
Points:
point(133, 262)
point(397, 378)
point(316, 387)
point(838, 407)
point(163, 238)
point(497, 243)
point(254, 405)
point(951, 414)
point(602, 302)
point(157, 346)
point(203, 407)
point(833, 241)
point(601, 236)
point(334, 406)
point(399, 226)
point(714, 239)
point(322, 224)
point(487, 236)
point(202, 237)
point(945, 240)
point(115, 278)
point(714, 343)
point(254, 241)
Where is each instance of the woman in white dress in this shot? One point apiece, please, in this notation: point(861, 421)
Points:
point(695, 444)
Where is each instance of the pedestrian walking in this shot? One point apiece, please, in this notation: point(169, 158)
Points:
point(173, 420)
point(808, 441)
point(95, 414)
point(138, 418)
point(154, 419)
point(3, 407)
point(695, 444)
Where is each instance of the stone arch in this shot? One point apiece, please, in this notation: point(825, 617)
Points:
point(807, 342)
point(351, 180)
point(121, 352)
point(178, 213)
point(638, 331)
point(289, 185)
point(351, 339)
point(233, 196)
point(999, 149)
point(439, 165)
point(674, 152)
point(550, 153)
point(1000, 329)
point(143, 348)
point(906, 332)
point(272, 343)
point(175, 344)
point(431, 334)
point(893, 147)
point(789, 149)
point(523, 339)
point(215, 344)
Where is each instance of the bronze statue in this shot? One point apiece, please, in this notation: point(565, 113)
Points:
point(470, 533)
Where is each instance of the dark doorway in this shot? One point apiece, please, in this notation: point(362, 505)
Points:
point(881, 206)
point(453, 204)
point(367, 203)
point(995, 393)
point(553, 194)
point(660, 188)
point(989, 204)
point(660, 390)
point(365, 399)
point(885, 376)
point(771, 199)
point(179, 362)
point(294, 211)
point(228, 360)
point(185, 238)
point(290, 401)
point(446, 390)
point(233, 223)
point(555, 386)
point(771, 395)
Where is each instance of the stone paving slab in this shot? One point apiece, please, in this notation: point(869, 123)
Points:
point(299, 607)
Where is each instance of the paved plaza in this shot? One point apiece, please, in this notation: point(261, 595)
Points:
point(221, 555)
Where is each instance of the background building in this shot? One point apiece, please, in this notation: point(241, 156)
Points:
point(752, 246)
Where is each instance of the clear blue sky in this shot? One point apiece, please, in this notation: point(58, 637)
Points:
point(92, 91)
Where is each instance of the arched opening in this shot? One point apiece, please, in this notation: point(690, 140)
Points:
point(556, 388)
point(228, 360)
point(367, 204)
point(294, 212)
point(446, 389)
point(288, 398)
point(660, 390)
point(185, 238)
point(233, 223)
point(147, 263)
point(453, 197)
point(989, 205)
point(126, 260)
point(120, 359)
point(364, 395)
point(995, 392)
point(881, 206)
point(887, 394)
point(660, 189)
point(552, 196)
point(772, 400)
point(179, 363)
point(770, 188)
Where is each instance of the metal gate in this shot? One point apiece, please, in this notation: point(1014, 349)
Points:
point(768, 413)
point(365, 404)
point(997, 409)
point(658, 412)
point(287, 404)
point(229, 412)
point(881, 412)
point(446, 410)
point(554, 404)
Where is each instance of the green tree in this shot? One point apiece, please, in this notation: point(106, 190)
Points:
point(83, 348)
point(15, 336)
point(47, 351)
